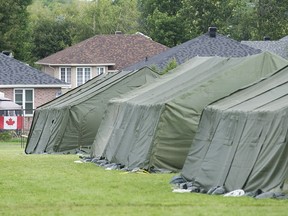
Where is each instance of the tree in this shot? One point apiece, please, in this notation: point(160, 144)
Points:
point(107, 17)
point(173, 22)
point(13, 27)
point(89, 18)
point(162, 22)
point(272, 18)
point(50, 36)
point(201, 14)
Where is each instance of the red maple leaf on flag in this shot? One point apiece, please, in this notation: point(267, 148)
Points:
point(10, 122)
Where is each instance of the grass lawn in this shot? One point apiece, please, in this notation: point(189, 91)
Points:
point(55, 185)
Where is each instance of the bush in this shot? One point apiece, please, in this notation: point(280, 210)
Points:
point(171, 65)
point(5, 136)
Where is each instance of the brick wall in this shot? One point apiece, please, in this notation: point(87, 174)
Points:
point(41, 96)
point(44, 95)
point(8, 93)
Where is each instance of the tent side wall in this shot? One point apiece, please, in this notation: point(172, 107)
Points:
point(35, 131)
point(270, 169)
point(129, 143)
point(239, 150)
point(53, 130)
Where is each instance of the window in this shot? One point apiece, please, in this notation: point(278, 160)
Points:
point(83, 75)
point(65, 74)
point(25, 98)
point(100, 70)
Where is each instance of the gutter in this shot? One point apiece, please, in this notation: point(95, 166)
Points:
point(75, 65)
point(36, 86)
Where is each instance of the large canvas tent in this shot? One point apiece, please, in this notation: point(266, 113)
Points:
point(242, 142)
point(154, 125)
point(70, 122)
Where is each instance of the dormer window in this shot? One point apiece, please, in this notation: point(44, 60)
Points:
point(65, 74)
point(100, 70)
point(83, 75)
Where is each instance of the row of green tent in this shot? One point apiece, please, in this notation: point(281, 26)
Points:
point(141, 119)
point(154, 125)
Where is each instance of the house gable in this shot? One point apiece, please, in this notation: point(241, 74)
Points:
point(101, 54)
point(117, 51)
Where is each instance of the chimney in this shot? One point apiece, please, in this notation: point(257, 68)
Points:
point(7, 53)
point(266, 38)
point(212, 31)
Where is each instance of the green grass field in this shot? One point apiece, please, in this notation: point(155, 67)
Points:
point(55, 185)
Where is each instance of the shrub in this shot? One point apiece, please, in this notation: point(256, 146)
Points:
point(5, 136)
point(171, 65)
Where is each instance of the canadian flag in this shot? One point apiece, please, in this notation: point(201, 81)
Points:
point(11, 122)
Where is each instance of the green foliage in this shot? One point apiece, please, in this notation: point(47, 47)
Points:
point(58, 24)
point(13, 24)
point(5, 136)
point(201, 14)
point(187, 19)
point(48, 26)
point(155, 68)
point(171, 65)
point(107, 17)
point(162, 22)
point(50, 36)
point(271, 18)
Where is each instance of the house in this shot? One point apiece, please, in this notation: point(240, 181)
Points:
point(208, 44)
point(99, 54)
point(278, 47)
point(27, 86)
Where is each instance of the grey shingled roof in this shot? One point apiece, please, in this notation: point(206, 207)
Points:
point(278, 47)
point(14, 72)
point(284, 38)
point(203, 45)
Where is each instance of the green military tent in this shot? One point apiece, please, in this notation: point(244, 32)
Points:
point(70, 122)
point(242, 140)
point(154, 125)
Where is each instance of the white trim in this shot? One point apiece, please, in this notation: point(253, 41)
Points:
point(37, 86)
point(76, 65)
